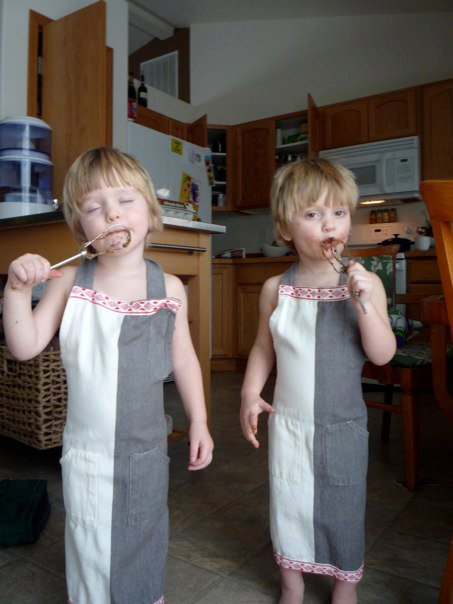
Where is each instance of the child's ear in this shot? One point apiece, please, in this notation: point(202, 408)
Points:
point(285, 234)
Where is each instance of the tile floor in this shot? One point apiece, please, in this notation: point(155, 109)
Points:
point(220, 550)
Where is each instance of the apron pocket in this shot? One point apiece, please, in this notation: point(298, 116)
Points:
point(149, 472)
point(80, 486)
point(346, 453)
point(285, 447)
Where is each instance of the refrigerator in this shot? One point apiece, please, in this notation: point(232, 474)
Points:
point(180, 171)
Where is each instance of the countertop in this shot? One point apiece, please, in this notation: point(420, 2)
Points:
point(258, 258)
point(254, 259)
point(57, 216)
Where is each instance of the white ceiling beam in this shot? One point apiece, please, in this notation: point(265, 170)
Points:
point(149, 23)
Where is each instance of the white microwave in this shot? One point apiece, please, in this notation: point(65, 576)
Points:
point(387, 169)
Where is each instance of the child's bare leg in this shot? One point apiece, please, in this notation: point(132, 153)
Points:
point(292, 587)
point(344, 592)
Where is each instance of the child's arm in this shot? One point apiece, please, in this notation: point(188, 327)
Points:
point(28, 332)
point(259, 365)
point(378, 339)
point(187, 372)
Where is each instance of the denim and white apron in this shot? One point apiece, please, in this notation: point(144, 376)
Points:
point(114, 460)
point(318, 439)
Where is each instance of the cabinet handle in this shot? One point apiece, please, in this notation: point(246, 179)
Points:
point(174, 246)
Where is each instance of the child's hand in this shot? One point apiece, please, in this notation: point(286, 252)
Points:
point(250, 409)
point(29, 270)
point(201, 446)
point(359, 280)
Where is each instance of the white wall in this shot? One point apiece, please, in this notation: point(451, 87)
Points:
point(248, 70)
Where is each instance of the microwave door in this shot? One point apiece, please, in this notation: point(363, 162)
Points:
point(368, 171)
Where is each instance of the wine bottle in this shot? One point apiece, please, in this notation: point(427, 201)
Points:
point(131, 98)
point(142, 92)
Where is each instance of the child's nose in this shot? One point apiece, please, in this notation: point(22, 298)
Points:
point(329, 223)
point(113, 213)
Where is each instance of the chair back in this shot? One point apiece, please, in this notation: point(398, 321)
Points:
point(382, 261)
point(438, 197)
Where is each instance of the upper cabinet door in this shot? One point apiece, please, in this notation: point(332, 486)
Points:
point(255, 163)
point(314, 138)
point(393, 115)
point(345, 124)
point(197, 132)
point(76, 86)
point(437, 148)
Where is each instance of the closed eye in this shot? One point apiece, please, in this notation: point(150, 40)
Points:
point(91, 209)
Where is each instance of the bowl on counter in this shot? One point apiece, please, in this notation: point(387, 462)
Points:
point(274, 251)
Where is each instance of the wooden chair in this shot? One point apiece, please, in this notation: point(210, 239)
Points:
point(438, 197)
point(409, 370)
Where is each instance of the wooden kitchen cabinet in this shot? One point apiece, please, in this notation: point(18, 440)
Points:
point(383, 116)
point(259, 153)
point(195, 132)
point(344, 124)
point(437, 142)
point(152, 119)
point(239, 282)
point(393, 114)
point(255, 150)
point(223, 312)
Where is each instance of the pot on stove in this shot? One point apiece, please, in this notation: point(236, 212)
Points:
point(405, 244)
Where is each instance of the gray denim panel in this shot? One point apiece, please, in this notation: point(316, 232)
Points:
point(340, 453)
point(346, 453)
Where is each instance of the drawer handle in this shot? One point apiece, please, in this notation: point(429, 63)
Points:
point(174, 246)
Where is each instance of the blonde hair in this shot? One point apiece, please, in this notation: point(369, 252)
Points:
point(114, 168)
point(300, 184)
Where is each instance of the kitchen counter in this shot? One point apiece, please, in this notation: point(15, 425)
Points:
point(57, 216)
point(255, 259)
point(182, 248)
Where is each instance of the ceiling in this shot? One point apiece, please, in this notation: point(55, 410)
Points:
point(157, 18)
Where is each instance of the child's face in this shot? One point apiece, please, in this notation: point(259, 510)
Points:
point(114, 205)
point(314, 226)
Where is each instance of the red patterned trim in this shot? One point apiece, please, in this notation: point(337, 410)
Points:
point(351, 576)
point(138, 307)
point(326, 294)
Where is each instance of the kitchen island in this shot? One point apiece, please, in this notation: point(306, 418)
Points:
point(182, 248)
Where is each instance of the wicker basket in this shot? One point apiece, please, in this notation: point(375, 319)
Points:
point(33, 398)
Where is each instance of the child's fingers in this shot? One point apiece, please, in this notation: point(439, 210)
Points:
point(199, 457)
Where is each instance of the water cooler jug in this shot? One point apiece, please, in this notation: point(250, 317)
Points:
point(25, 167)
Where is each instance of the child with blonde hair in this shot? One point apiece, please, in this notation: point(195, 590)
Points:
point(319, 321)
point(123, 328)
